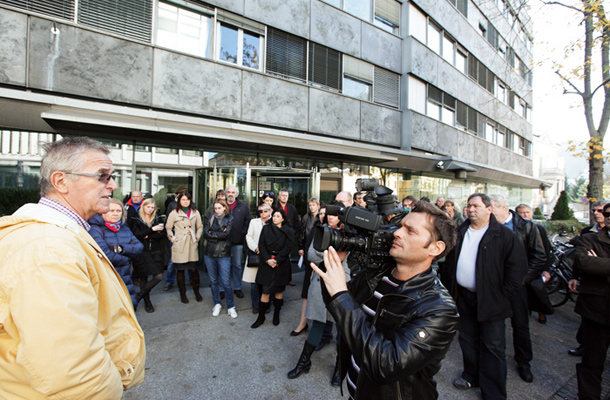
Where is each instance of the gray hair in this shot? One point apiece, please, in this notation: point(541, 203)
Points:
point(499, 200)
point(599, 203)
point(264, 206)
point(234, 187)
point(66, 155)
point(522, 205)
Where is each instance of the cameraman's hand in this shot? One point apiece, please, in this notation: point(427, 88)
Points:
point(334, 277)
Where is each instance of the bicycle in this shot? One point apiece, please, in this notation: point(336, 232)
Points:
point(561, 272)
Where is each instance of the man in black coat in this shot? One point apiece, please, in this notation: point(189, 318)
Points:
point(133, 205)
point(397, 322)
point(483, 272)
point(293, 219)
point(237, 236)
point(536, 262)
point(593, 254)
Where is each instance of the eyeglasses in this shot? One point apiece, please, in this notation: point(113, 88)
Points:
point(606, 214)
point(101, 176)
point(262, 211)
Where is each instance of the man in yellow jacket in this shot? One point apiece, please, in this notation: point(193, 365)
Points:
point(68, 329)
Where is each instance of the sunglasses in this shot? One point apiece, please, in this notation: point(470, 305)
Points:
point(606, 214)
point(598, 210)
point(262, 211)
point(101, 176)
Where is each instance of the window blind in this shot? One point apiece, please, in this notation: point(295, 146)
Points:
point(286, 54)
point(388, 10)
point(324, 66)
point(131, 18)
point(386, 88)
point(54, 8)
point(358, 69)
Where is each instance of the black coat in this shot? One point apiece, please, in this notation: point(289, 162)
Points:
point(400, 350)
point(293, 219)
point(241, 221)
point(150, 261)
point(594, 293)
point(217, 233)
point(500, 270)
point(275, 242)
point(534, 247)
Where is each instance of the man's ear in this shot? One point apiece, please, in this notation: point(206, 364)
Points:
point(59, 181)
point(436, 248)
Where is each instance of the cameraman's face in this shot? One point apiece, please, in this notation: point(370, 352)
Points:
point(413, 241)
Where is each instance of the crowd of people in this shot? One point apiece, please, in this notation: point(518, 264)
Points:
point(449, 272)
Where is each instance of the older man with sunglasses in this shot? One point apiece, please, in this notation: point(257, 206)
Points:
point(67, 326)
point(593, 254)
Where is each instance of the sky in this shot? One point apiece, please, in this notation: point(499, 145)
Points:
point(559, 115)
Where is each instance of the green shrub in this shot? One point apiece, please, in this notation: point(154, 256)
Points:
point(571, 226)
point(562, 211)
point(13, 198)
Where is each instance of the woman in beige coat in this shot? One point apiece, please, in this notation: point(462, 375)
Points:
point(184, 229)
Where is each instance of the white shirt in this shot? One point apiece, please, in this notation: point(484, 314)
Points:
point(467, 262)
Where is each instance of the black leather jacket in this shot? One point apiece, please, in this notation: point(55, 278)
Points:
point(534, 247)
point(400, 350)
point(217, 236)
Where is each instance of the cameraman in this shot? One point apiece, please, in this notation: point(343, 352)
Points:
point(396, 322)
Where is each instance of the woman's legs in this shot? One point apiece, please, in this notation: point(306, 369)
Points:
point(181, 286)
point(304, 363)
point(262, 309)
point(278, 302)
point(194, 273)
point(212, 267)
point(303, 322)
point(224, 269)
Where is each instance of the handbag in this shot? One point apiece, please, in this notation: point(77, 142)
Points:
point(253, 259)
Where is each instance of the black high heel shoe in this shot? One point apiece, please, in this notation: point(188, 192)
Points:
point(295, 333)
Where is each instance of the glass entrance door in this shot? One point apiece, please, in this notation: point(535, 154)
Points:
point(161, 183)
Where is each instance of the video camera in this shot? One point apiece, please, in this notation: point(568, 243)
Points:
point(374, 234)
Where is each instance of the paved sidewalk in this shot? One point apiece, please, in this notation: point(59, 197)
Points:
point(192, 355)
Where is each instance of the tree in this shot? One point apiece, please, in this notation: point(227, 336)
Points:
point(597, 37)
point(577, 190)
point(562, 211)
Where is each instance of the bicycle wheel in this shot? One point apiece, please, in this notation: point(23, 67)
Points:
point(558, 290)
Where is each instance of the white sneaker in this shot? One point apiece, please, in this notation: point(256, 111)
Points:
point(232, 312)
point(216, 310)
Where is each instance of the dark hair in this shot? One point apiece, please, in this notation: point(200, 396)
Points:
point(224, 204)
point(449, 203)
point(221, 192)
point(188, 196)
point(441, 226)
point(284, 215)
point(425, 198)
point(606, 206)
point(484, 198)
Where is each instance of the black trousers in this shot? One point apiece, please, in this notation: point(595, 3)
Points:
point(483, 345)
point(596, 338)
point(520, 322)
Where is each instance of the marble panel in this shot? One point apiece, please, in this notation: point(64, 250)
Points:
point(465, 146)
point(13, 47)
point(336, 29)
point(380, 125)
point(189, 84)
point(481, 150)
point(290, 16)
point(81, 62)
point(381, 48)
point(236, 6)
point(449, 79)
point(424, 63)
point(424, 133)
point(333, 114)
point(272, 101)
point(447, 139)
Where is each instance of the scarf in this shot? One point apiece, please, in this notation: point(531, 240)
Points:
point(114, 227)
point(187, 211)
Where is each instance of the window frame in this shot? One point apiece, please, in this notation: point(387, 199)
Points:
point(240, 46)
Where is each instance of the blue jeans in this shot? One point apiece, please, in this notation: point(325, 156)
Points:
point(170, 276)
point(237, 256)
point(219, 268)
point(254, 295)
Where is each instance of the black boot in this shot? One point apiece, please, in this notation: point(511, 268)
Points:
point(336, 378)
point(181, 286)
point(277, 306)
point(195, 285)
point(262, 308)
point(304, 363)
point(148, 305)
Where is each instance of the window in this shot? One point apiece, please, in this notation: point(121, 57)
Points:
point(434, 38)
point(448, 49)
point(473, 67)
point(511, 99)
point(132, 18)
point(357, 78)
point(462, 115)
point(522, 146)
point(489, 132)
point(462, 6)
point(435, 101)
point(500, 136)
point(448, 112)
point(483, 28)
point(501, 93)
point(324, 66)
point(358, 8)
point(473, 117)
point(286, 55)
point(55, 8)
point(511, 57)
point(492, 36)
point(482, 77)
point(417, 95)
point(183, 30)
point(386, 87)
point(418, 24)
point(239, 47)
point(521, 108)
point(387, 15)
point(461, 61)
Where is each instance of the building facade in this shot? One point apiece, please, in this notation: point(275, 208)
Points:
point(432, 97)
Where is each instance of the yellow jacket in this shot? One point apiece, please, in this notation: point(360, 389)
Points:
point(67, 325)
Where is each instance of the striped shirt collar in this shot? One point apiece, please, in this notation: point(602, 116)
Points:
point(45, 201)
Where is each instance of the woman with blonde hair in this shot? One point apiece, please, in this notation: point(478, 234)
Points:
point(118, 242)
point(149, 228)
point(184, 229)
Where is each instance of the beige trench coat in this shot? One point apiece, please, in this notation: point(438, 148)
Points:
point(184, 233)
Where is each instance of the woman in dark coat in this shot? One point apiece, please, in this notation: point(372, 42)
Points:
point(217, 255)
point(149, 228)
point(275, 245)
point(114, 237)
